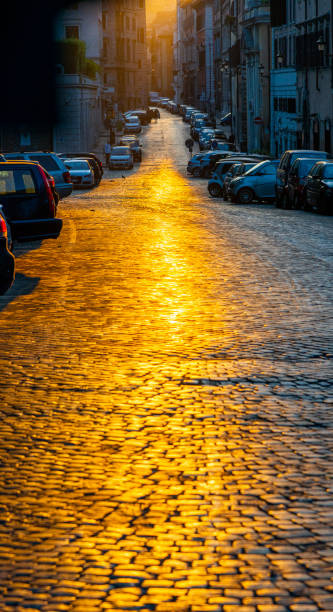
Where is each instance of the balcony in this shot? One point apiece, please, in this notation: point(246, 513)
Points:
point(258, 11)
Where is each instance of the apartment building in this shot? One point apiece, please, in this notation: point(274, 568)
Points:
point(124, 54)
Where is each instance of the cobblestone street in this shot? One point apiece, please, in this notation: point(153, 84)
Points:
point(166, 402)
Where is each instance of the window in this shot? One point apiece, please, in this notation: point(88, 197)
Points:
point(269, 169)
point(46, 161)
point(328, 171)
point(72, 31)
point(16, 181)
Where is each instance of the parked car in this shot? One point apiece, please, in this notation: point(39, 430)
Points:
point(297, 177)
point(163, 102)
point(121, 157)
point(82, 173)
point(286, 161)
point(235, 171)
point(215, 184)
point(53, 164)
point(188, 113)
point(7, 259)
point(319, 188)
point(134, 144)
point(196, 116)
point(194, 163)
point(196, 127)
point(219, 133)
point(222, 145)
point(27, 201)
point(132, 125)
point(93, 160)
point(257, 183)
point(142, 114)
point(205, 136)
point(208, 161)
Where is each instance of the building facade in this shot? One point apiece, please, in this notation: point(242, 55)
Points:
point(161, 48)
point(314, 81)
point(124, 54)
point(79, 86)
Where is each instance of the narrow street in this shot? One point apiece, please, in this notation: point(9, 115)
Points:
point(166, 402)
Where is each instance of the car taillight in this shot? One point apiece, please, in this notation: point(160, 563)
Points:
point(67, 177)
point(52, 182)
point(49, 193)
point(3, 228)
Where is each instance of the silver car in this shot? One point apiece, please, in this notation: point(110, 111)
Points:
point(81, 172)
point(121, 157)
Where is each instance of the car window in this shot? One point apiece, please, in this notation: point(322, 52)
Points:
point(328, 171)
point(46, 161)
point(268, 169)
point(77, 165)
point(305, 167)
point(17, 181)
point(120, 151)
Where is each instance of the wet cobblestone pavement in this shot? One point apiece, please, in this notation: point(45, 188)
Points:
point(166, 402)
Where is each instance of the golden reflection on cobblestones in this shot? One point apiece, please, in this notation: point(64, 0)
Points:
point(165, 426)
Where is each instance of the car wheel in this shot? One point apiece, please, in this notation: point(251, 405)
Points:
point(215, 190)
point(245, 196)
point(197, 172)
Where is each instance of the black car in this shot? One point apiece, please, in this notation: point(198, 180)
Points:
point(7, 259)
point(27, 201)
point(286, 161)
point(297, 176)
point(319, 188)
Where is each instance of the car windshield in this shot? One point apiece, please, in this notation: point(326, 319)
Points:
point(77, 165)
point(46, 161)
point(328, 171)
point(305, 167)
point(18, 180)
point(120, 151)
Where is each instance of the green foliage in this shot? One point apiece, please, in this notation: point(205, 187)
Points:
point(91, 68)
point(71, 53)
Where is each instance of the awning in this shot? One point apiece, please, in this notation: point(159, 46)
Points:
point(226, 120)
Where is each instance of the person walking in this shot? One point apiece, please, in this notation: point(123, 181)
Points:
point(189, 144)
point(107, 151)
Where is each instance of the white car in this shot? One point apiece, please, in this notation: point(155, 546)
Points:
point(132, 125)
point(82, 174)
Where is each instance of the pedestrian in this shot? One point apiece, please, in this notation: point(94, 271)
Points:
point(107, 151)
point(189, 144)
